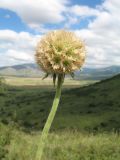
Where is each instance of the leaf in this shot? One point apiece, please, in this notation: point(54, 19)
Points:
point(72, 74)
point(46, 75)
point(54, 79)
point(63, 78)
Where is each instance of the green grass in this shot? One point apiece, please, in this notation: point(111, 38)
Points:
point(65, 145)
point(86, 126)
point(90, 108)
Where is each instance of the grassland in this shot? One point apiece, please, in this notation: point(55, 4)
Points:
point(65, 145)
point(94, 107)
point(86, 126)
point(25, 81)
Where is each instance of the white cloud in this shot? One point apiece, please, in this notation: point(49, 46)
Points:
point(71, 21)
point(17, 47)
point(20, 55)
point(102, 36)
point(84, 11)
point(37, 12)
point(76, 13)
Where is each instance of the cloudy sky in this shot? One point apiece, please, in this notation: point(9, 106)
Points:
point(23, 23)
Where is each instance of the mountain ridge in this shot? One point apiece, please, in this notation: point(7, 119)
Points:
point(33, 70)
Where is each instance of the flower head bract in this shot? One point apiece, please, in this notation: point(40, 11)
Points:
point(60, 52)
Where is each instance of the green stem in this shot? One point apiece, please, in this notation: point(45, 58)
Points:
point(50, 119)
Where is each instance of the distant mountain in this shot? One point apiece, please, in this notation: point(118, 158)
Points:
point(24, 70)
point(32, 70)
point(21, 66)
point(101, 73)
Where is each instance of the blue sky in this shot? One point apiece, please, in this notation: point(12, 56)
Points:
point(22, 25)
point(11, 20)
point(90, 3)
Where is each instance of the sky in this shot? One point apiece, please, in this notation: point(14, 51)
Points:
point(96, 22)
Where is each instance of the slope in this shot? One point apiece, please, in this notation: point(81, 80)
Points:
point(91, 108)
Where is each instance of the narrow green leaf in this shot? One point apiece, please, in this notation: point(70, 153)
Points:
point(46, 75)
point(72, 74)
point(54, 79)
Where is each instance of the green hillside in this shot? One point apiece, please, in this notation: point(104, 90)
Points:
point(91, 108)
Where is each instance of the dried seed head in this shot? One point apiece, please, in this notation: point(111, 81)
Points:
point(60, 52)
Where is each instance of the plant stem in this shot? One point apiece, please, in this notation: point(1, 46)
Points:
point(50, 119)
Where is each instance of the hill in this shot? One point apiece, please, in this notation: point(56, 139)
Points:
point(24, 70)
point(32, 70)
point(97, 73)
point(95, 107)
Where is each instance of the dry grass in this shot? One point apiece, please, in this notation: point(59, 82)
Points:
point(65, 145)
point(21, 81)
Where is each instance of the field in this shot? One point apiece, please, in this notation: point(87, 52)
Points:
point(86, 126)
point(65, 145)
point(22, 81)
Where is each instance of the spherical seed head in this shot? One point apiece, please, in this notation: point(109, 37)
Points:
point(60, 52)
